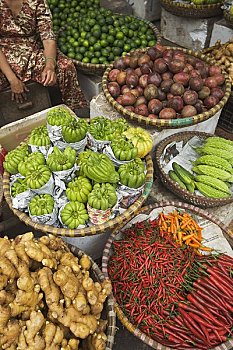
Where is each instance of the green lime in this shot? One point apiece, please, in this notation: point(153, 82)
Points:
point(112, 31)
point(90, 54)
point(97, 54)
point(117, 51)
point(127, 47)
point(109, 20)
point(86, 28)
point(76, 36)
point(94, 60)
point(71, 54)
point(102, 59)
point(83, 35)
point(85, 60)
point(82, 49)
point(130, 33)
point(61, 6)
point(103, 43)
point(101, 21)
point(73, 3)
point(137, 42)
point(97, 46)
point(110, 39)
point(120, 35)
point(96, 27)
point(63, 49)
point(92, 22)
point(92, 40)
point(111, 57)
point(97, 34)
point(104, 36)
point(71, 41)
point(144, 43)
point(86, 43)
point(152, 43)
point(119, 43)
point(78, 57)
point(104, 29)
point(144, 29)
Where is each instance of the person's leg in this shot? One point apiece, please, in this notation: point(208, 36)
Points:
point(67, 81)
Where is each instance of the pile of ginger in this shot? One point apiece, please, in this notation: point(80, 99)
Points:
point(48, 300)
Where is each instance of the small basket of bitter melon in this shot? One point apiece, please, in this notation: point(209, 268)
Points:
point(198, 167)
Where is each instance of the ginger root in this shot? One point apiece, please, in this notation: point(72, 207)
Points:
point(30, 338)
point(53, 336)
point(48, 300)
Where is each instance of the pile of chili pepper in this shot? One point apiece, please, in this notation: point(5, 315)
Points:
point(178, 298)
point(183, 229)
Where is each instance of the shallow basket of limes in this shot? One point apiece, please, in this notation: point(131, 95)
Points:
point(197, 167)
point(102, 36)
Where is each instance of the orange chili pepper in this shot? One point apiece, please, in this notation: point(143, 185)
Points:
point(188, 237)
point(205, 248)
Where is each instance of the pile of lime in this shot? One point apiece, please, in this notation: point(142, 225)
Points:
point(93, 34)
point(68, 12)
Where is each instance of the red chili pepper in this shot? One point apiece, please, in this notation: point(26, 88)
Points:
point(210, 300)
point(197, 302)
point(189, 323)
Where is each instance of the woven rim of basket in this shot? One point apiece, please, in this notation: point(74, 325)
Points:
point(87, 231)
point(106, 255)
point(102, 67)
point(173, 186)
point(171, 123)
point(192, 10)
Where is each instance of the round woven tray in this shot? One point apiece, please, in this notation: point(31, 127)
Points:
point(107, 253)
point(109, 310)
point(173, 186)
point(98, 69)
point(191, 10)
point(168, 123)
point(87, 231)
point(228, 17)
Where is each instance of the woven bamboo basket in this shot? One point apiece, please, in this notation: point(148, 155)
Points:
point(87, 231)
point(191, 10)
point(109, 304)
point(228, 17)
point(98, 69)
point(173, 186)
point(171, 123)
point(107, 254)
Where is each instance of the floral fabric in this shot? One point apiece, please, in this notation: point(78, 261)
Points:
point(21, 39)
